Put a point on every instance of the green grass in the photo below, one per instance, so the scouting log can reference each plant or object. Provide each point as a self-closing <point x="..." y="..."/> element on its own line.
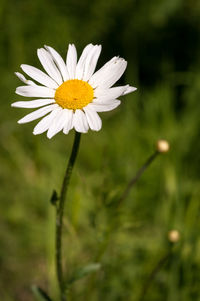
<point x="128" y="243"/>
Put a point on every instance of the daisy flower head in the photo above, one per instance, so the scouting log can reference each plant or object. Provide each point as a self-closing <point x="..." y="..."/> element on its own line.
<point x="70" y="94"/>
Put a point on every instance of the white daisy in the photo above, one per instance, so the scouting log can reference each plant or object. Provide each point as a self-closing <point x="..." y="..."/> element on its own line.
<point x="70" y="94"/>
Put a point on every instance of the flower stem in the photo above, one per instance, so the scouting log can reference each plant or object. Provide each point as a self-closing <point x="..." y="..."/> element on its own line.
<point x="153" y="273"/>
<point x="136" y="177"/>
<point x="59" y="215"/>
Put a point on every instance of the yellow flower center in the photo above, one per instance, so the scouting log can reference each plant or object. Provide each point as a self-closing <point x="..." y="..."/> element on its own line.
<point x="74" y="94"/>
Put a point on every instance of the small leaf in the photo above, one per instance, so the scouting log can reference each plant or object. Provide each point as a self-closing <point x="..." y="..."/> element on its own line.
<point x="84" y="271"/>
<point x="54" y="197"/>
<point x="40" y="294"/>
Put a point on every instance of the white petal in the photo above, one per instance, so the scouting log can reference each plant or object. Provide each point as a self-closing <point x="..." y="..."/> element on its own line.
<point x="91" y="62"/>
<point x="68" y="123"/>
<point x="71" y="61"/>
<point x="49" y="65"/>
<point x="39" y="76"/>
<point x="44" y="124"/>
<point x="106" y="95"/>
<point x="32" y="103"/>
<point x="24" y="80"/>
<point x="59" y="62"/>
<point x="113" y="93"/>
<point x="81" y="63"/>
<point x="93" y="119"/>
<point x="109" y="73"/>
<point x="35" y="91"/>
<point x="97" y="74"/>
<point x="38" y="113"/>
<point x="80" y="122"/>
<point x="129" y="89"/>
<point x="58" y="123"/>
<point x="104" y="107"/>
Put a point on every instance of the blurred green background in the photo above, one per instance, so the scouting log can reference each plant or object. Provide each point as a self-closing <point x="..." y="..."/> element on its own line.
<point x="160" y="39"/>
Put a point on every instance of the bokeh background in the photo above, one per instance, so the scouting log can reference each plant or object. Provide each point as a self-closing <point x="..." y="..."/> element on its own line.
<point x="160" y="39"/>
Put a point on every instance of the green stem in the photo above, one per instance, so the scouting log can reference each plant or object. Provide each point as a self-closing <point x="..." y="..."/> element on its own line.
<point x="59" y="215"/>
<point x="127" y="190"/>
<point x="134" y="180"/>
<point x="153" y="273"/>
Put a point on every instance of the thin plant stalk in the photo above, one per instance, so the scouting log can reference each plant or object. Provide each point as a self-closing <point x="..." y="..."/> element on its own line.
<point x="153" y="273"/>
<point x="124" y="195"/>
<point x="127" y="190"/>
<point x="134" y="180"/>
<point x="59" y="216"/>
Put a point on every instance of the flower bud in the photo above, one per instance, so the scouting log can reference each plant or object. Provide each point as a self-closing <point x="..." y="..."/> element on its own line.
<point x="163" y="146"/>
<point x="173" y="236"/>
